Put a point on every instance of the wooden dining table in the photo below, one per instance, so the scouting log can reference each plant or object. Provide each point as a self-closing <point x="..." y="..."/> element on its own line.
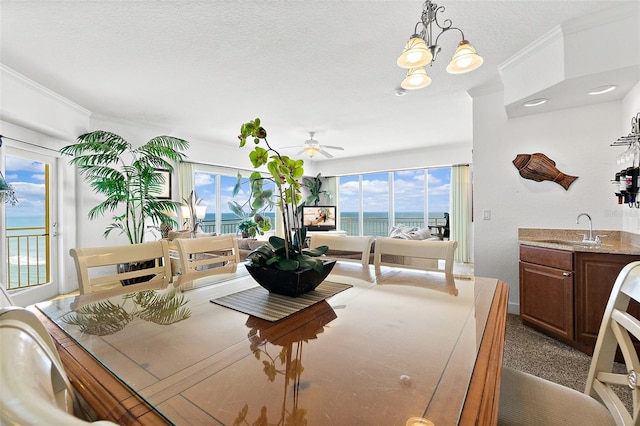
<point x="402" y="347"/>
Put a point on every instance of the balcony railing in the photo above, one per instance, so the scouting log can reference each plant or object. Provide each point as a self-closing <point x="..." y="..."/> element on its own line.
<point x="27" y="257"/>
<point x="28" y="254"/>
<point x="372" y="226"/>
<point x="379" y="227"/>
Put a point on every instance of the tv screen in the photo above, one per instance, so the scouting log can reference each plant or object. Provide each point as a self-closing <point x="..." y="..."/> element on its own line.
<point x="319" y="218"/>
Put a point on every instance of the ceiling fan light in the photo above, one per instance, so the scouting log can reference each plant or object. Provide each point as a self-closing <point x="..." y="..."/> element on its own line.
<point x="415" y="53"/>
<point x="464" y="59"/>
<point x="416" y="78"/>
<point x="311" y="150"/>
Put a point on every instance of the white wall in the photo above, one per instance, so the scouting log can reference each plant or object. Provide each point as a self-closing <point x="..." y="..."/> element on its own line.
<point x="37" y="117"/>
<point x="436" y="156"/>
<point x="577" y="140"/>
<point x="630" y="108"/>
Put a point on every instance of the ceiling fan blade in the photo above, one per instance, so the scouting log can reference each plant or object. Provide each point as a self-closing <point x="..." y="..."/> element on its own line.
<point x="301" y="152"/>
<point x="325" y="153"/>
<point x="287" y="147"/>
<point x="332" y="147"/>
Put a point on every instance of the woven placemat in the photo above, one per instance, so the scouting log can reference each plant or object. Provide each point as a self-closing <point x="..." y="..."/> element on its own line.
<point x="259" y="302"/>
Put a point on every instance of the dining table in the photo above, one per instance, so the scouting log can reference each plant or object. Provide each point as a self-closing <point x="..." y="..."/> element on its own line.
<point x="396" y="347"/>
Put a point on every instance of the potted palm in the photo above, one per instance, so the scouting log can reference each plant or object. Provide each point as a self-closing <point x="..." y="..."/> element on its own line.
<point x="284" y="266"/>
<point x="134" y="186"/>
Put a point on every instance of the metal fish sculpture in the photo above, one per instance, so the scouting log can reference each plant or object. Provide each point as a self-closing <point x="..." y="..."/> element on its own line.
<point x="539" y="167"/>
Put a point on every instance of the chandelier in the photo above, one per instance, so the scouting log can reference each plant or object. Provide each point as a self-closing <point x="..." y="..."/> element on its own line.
<point x="422" y="49"/>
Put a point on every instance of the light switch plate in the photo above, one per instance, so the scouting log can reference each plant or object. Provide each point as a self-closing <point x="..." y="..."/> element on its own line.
<point x="486" y="214"/>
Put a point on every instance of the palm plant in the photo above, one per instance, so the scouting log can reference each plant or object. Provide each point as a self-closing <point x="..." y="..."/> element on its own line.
<point x="135" y="185"/>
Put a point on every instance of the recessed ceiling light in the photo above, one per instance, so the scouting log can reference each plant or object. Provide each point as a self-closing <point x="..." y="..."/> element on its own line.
<point x="535" y="102"/>
<point x="602" y="89"/>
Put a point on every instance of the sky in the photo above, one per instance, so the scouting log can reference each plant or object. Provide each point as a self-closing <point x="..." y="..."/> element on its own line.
<point x="408" y="190"/>
<point x="27" y="179"/>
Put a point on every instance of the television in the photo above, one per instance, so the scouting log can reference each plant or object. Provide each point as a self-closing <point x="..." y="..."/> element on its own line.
<point x="319" y="218"/>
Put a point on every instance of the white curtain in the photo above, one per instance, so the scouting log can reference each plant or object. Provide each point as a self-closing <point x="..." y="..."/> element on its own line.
<point x="460" y="212"/>
<point x="185" y="183"/>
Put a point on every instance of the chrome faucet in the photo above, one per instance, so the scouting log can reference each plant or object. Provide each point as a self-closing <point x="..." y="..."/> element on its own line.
<point x="591" y="239"/>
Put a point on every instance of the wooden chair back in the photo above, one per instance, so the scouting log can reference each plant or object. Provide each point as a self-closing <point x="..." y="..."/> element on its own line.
<point x="204" y="257"/>
<point x="414" y="254"/>
<point x="348" y="243"/>
<point x="616" y="331"/>
<point x="100" y="268"/>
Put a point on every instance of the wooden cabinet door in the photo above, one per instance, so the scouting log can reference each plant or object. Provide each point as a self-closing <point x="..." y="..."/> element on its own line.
<point x="546" y="299"/>
<point x="595" y="275"/>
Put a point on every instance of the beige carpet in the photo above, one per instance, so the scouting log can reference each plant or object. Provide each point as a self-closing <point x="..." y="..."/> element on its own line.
<point x="535" y="353"/>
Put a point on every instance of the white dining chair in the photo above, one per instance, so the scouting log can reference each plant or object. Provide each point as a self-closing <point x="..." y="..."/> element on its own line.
<point x="427" y="255"/>
<point x="34" y="387"/>
<point x="102" y="268"/>
<point x="529" y="400"/>
<point x="204" y="257"/>
<point x="360" y="247"/>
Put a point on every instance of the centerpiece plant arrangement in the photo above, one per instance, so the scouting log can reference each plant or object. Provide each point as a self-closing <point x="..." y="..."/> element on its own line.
<point x="285" y="254"/>
<point x="128" y="178"/>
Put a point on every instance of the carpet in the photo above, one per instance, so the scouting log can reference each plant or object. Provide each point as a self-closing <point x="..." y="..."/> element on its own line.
<point x="528" y="350"/>
<point x="260" y="303"/>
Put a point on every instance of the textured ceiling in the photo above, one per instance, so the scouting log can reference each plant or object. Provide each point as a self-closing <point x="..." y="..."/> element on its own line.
<point x="201" y="68"/>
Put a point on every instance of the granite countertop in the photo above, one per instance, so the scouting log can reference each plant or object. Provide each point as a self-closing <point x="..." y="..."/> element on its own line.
<point x="613" y="242"/>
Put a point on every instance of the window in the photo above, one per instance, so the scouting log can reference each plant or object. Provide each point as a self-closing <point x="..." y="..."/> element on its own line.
<point x="349" y="207"/>
<point x="205" y="186"/>
<point x="26" y="224"/>
<point x="369" y="204"/>
<point x="409" y="198"/>
<point x="216" y="191"/>
<point x="438" y="193"/>
<point x="375" y="211"/>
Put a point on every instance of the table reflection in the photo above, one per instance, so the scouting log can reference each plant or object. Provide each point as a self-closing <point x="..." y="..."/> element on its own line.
<point x="106" y="317"/>
<point x="263" y="337"/>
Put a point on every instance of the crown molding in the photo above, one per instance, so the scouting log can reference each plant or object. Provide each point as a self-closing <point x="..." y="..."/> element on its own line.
<point x="6" y="71"/>
<point x="551" y="36"/>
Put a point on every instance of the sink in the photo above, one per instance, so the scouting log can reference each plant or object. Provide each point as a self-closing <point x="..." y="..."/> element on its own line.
<point x="573" y="243"/>
<point x="564" y="242"/>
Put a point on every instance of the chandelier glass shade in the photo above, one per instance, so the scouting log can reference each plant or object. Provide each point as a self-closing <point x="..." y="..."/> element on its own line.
<point x="465" y="59"/>
<point x="415" y="54"/>
<point x="422" y="49"/>
<point x="416" y="78"/>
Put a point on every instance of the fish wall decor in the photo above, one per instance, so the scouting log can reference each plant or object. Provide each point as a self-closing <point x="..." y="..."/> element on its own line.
<point x="539" y="167"/>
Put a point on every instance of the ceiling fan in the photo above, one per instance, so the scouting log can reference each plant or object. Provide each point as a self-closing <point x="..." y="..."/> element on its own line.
<point x="311" y="146"/>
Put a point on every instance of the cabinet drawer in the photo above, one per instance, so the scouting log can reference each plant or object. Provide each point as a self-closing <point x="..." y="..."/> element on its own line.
<point x="553" y="258"/>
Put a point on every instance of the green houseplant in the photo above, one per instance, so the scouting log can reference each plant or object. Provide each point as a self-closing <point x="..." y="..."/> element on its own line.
<point x="134" y="186"/>
<point x="288" y="253"/>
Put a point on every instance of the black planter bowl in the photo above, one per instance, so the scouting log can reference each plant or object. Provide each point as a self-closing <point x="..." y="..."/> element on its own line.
<point x="289" y="283"/>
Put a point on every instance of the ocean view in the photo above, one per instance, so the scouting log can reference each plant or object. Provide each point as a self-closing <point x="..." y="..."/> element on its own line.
<point x="27" y="254"/>
<point x="27" y="251"/>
